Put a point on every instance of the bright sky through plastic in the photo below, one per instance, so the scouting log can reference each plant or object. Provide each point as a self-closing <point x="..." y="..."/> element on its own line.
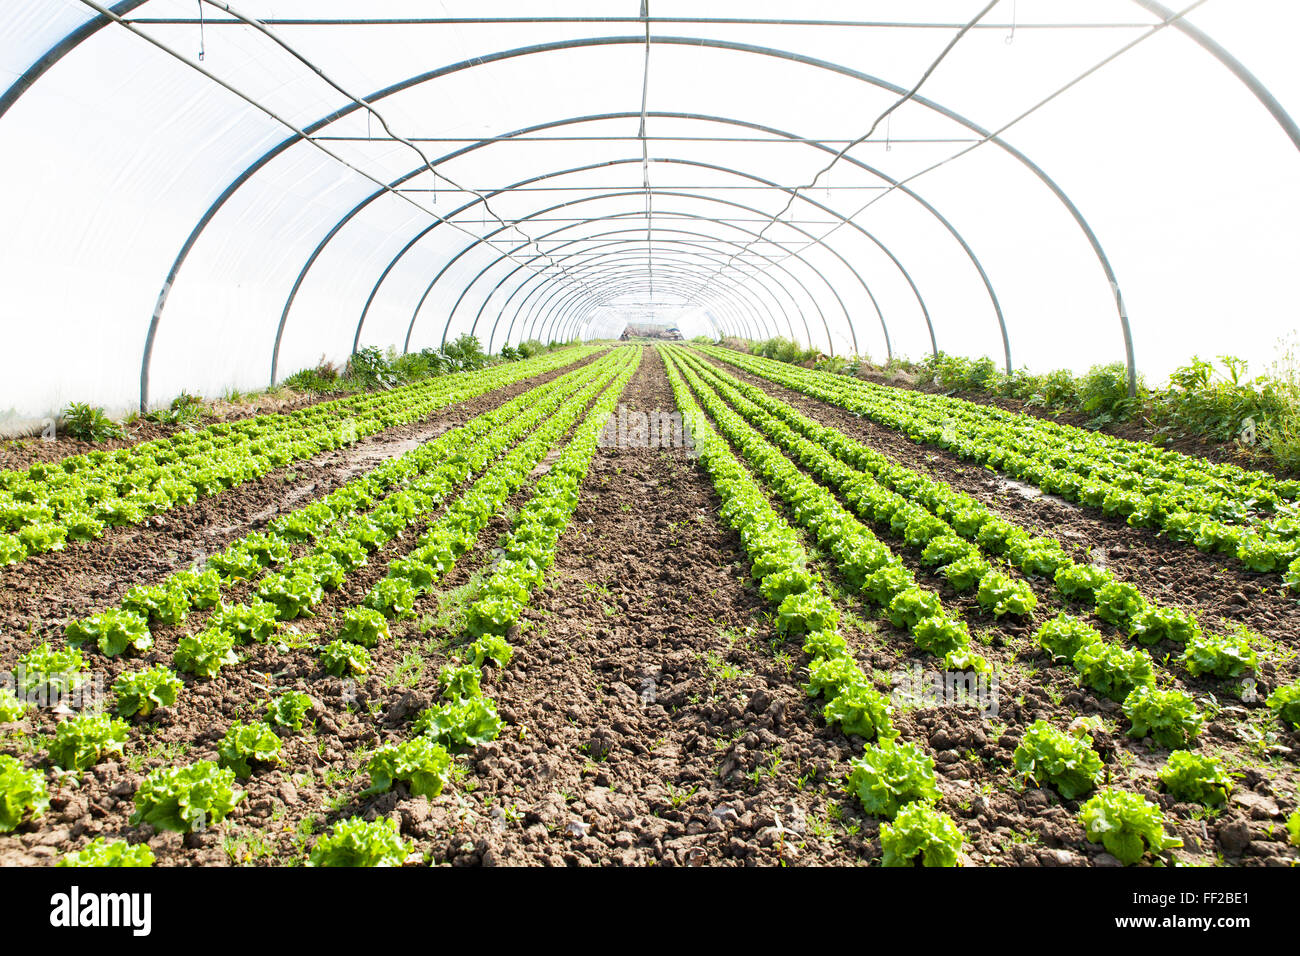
<point x="114" y="155"/>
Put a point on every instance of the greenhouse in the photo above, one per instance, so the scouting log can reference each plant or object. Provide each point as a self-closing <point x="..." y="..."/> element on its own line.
<point x="650" y="433"/>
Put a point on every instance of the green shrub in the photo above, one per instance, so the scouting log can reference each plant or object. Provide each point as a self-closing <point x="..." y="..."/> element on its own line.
<point x="87" y="423"/>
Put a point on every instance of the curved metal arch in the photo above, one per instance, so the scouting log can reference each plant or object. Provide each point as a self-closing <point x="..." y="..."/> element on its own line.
<point x="681" y="279"/>
<point x="550" y="293"/>
<point x="669" y="215"/>
<point x="552" y="252"/>
<point x="584" y="42"/>
<point x="724" y="169"/>
<point x="623" y="254"/>
<point x="92" y="27"/>
<point x="622" y="245"/>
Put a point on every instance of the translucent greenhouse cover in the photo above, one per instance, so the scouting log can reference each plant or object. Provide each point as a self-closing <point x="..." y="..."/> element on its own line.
<point x="199" y="196"/>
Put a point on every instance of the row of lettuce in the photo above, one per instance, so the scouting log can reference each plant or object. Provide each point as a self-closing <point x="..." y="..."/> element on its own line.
<point x="182" y="798"/>
<point x="1220" y="508"/>
<point x="51" y="504"/>
<point x="891" y="776"/>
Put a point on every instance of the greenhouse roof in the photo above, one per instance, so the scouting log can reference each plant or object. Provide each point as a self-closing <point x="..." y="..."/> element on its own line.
<point x="203" y="196"/>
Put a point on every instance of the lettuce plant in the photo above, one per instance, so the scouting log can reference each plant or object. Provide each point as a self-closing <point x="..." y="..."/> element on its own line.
<point x="920" y="833"/>
<point x="113" y="632"/>
<point x="22" y="794"/>
<point x="424" y="766"/>
<point x="340" y="658"/>
<point x="289" y="710"/>
<point x="141" y="692"/>
<point x="1080" y="582"/>
<point x="889" y="775"/>
<point x="99" y="852"/>
<point x="11" y="707"/>
<point x="364" y="626"/>
<point x="457" y="724"/>
<point x="186" y="798"/>
<point x="356" y="842"/>
<point x="1196" y="778"/>
<point x="1113" y="670"/>
<point x="164" y="604"/>
<point x="1053" y="757"/>
<point x="806" y="612"/>
<point x="246" y="622"/>
<point x="1154" y="624"/>
<point x="205" y="653"/>
<point x="460" y="683"/>
<point x="828" y="677"/>
<point x="1063" y="635"/>
<point x="1285" y="702"/>
<point x="489" y="647"/>
<point x="293" y="594"/>
<point x="1126" y="824"/>
<point x="1119" y="603"/>
<point x="965" y="573"/>
<point x="393" y="597"/>
<point x="999" y="594"/>
<point x="940" y="634"/>
<point x="1221" y="655"/>
<point x="82" y="741"/>
<point x="1169" y="717"/>
<point x="861" y="710"/>
<point x="247" y="743"/>
<point x="46" y="672"/>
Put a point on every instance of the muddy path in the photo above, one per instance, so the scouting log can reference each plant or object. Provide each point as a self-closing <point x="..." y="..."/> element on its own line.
<point x="40" y="594"/>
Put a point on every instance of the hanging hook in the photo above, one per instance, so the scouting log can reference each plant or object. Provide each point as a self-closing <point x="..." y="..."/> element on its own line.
<point x="1011" y="37"/>
<point x="202" y="46"/>
<point x="889" y="132"/>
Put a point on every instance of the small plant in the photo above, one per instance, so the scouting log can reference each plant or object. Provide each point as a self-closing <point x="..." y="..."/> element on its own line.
<point x="101" y="853"/>
<point x="490" y="647"/>
<point x="1285" y="702"/>
<point x="113" y="632"/>
<point x="1126" y="824"/>
<point x="1063" y="635"/>
<point x="1293" y="828"/>
<point x="806" y="612"/>
<point x="48" y="673"/>
<point x="164" y="604"/>
<point x="289" y="710"/>
<point x="424" y="766"/>
<point x="364" y="626"/>
<point x="339" y="658"/>
<point x="22" y="794"/>
<point x="460" y="683"/>
<point x="889" y="775"/>
<point x="11" y="708"/>
<point x="293" y="594"/>
<point x="1001" y="595"/>
<point x="1155" y="624"/>
<point x="355" y="842"/>
<point x="466" y="723"/>
<point x="89" y="423"/>
<point x="1113" y="670"/>
<point x="1196" y="778"/>
<point x="186" y="798"/>
<point x="941" y="634"/>
<point x="913" y="605"/>
<point x="246" y="744"/>
<point x="828" y="677"/>
<point x="1222" y="655"/>
<point x="861" y="710"/>
<point x="964" y="573"/>
<point x="1050" y="756"/>
<point x="1169" y="717"/>
<point x="1079" y="582"/>
<point x="205" y="653"/>
<point x="920" y="833"/>
<point x="82" y="741"/>
<point x="1118" y="603"/>
<point x="246" y="622"/>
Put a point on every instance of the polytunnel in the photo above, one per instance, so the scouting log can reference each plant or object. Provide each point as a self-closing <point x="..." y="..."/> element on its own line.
<point x="203" y="196"/>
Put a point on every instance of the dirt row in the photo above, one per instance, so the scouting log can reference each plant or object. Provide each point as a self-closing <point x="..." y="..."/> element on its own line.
<point x="39" y="595"/>
<point x="1001" y="819"/>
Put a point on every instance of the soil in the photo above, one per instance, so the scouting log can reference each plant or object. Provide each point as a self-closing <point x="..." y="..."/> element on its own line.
<point x="653" y="716"/>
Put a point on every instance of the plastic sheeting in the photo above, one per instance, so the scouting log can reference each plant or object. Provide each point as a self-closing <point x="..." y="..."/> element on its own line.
<point x="153" y="175"/>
